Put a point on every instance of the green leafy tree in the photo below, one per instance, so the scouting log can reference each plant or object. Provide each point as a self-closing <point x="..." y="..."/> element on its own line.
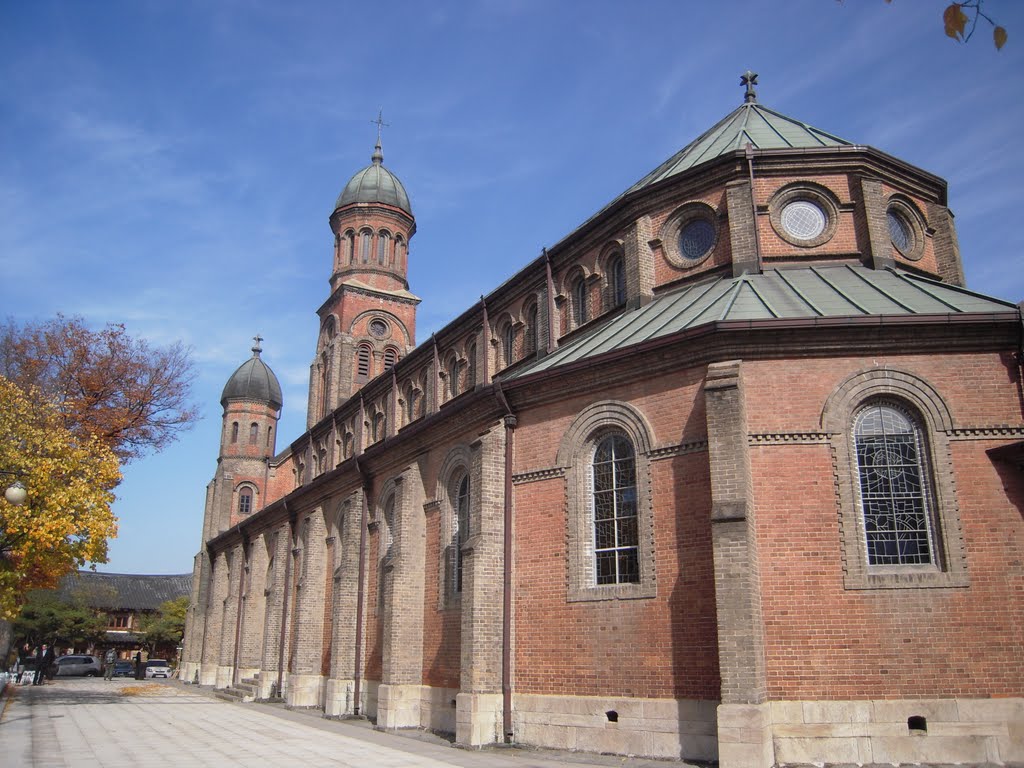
<point x="162" y="631"/>
<point x="46" y="618"/>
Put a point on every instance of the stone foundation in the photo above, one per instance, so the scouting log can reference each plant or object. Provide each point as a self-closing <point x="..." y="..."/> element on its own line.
<point x="207" y="674"/>
<point x="959" y="731"/>
<point x="188" y="671"/>
<point x="478" y="719"/>
<point x="398" y="706"/>
<point x="225" y="676"/>
<point x="662" y="728"/>
<point x="339" y="701"/>
<point x="304" y="690"/>
<point x="437" y="708"/>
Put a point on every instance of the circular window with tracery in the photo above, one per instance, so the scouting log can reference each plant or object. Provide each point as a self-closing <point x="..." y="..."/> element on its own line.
<point x="906" y="230"/>
<point x="804" y="214"/>
<point x="378" y="328"/>
<point x="690" y="235"/>
<point x="696" y="238"/>
<point x="803" y="220"/>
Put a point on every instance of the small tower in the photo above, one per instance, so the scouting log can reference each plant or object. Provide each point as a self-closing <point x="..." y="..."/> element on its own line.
<point x="369" y="320"/>
<point x="252" y="405"/>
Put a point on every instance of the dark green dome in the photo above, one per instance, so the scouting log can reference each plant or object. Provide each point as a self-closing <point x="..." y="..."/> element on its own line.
<point x="253" y="381"/>
<point x="375" y="184"/>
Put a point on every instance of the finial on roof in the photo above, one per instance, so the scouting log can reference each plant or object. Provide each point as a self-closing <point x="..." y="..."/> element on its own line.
<point x="378" y="153"/>
<point x="256" y="349"/>
<point x="749" y="79"/>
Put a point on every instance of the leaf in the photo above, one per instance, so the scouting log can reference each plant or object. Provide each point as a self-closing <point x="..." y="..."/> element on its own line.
<point x="955" y="21"/>
<point x="999" y="36"/>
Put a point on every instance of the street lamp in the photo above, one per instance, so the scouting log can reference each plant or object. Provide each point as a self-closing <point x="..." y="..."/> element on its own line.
<point x="15" y="493"/>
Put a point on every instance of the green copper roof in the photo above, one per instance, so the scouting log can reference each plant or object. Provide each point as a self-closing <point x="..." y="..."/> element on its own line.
<point x="375" y="184"/>
<point x="751" y="123"/>
<point x="806" y="292"/>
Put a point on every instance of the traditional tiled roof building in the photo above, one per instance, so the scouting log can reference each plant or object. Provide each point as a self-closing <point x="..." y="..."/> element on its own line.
<point x="124" y="598"/>
<point x="732" y="472"/>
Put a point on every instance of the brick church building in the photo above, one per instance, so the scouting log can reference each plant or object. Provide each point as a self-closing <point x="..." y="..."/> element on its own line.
<point x="734" y="472"/>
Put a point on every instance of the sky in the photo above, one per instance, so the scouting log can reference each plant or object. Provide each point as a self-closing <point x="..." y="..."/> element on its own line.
<point x="172" y="165"/>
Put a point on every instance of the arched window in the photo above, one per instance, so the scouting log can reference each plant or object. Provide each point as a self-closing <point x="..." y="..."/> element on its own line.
<point x="270" y="432"/>
<point x="383" y="243"/>
<point x="386" y="541"/>
<point x="234" y="432"/>
<point x="530" y="341"/>
<point x="399" y="252"/>
<point x="616" y="535"/>
<point x="349" y="247"/>
<point x="471" y="367"/>
<point x="348" y="445"/>
<point x="412" y="401"/>
<point x="363" y="362"/>
<point x="508" y="344"/>
<point x="617" y="281"/>
<point x="579" y="302"/>
<point x="380" y="426"/>
<point x="459" y="495"/>
<point x="453" y="377"/>
<point x="365" y="245"/>
<point x="894" y="485"/>
<point x="254" y="433"/>
<point x="245" y="502"/>
<point x="390" y="358"/>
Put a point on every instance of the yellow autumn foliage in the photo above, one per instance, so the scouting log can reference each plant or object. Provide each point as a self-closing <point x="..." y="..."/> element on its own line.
<point x="66" y="519"/>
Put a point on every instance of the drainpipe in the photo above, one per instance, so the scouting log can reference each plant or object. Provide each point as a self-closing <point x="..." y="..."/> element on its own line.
<point x="285" y="601"/>
<point x="749" y="152"/>
<point x="360" y="591"/>
<point x="506" y="587"/>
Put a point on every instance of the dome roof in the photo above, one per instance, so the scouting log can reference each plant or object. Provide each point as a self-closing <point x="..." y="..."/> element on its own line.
<point x="375" y="184"/>
<point x="253" y="381"/>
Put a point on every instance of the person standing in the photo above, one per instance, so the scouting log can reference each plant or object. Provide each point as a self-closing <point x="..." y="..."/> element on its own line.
<point x="108" y="664"/>
<point x="138" y="665"/>
<point x="42" y="661"/>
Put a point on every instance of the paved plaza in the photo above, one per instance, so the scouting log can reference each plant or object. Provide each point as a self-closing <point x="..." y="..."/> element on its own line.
<point x="94" y="723"/>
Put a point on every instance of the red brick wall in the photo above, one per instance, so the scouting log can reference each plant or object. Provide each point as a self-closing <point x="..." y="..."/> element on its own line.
<point x="824" y="641"/>
<point x="659" y="647"/>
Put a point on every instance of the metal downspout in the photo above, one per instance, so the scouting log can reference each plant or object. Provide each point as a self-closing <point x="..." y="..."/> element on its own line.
<point x="749" y="152"/>
<point x="360" y="593"/>
<point x="506" y="587"/>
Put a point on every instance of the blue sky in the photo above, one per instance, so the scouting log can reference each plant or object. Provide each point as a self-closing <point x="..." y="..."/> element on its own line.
<point x="171" y="165"/>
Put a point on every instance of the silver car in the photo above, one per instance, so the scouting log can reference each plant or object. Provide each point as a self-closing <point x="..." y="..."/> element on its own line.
<point x="157" y="668"/>
<point x="78" y="666"/>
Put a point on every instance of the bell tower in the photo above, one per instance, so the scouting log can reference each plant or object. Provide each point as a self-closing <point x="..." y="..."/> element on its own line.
<point x="369" y="320"/>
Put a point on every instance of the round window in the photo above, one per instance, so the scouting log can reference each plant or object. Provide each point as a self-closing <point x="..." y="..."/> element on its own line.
<point x="803" y="220"/>
<point x="900" y="232"/>
<point x="378" y="328"/>
<point x="696" y="238"/>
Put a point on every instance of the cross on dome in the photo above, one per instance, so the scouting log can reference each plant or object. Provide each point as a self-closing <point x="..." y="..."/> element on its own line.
<point x="749" y="79"/>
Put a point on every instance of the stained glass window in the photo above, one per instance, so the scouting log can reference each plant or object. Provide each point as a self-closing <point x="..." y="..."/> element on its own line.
<point x="893" y="486"/>
<point x="616" y="534"/>
<point x="696" y="238"/>
<point x="899" y="231"/>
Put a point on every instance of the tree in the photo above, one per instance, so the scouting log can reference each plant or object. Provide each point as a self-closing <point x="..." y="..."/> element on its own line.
<point x="46" y="618"/>
<point x="957" y="16"/>
<point x="129" y="395"/>
<point x="162" y="631"/>
<point x="66" y="519"/>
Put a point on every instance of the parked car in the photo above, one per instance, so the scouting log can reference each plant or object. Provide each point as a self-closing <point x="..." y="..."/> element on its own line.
<point x="124" y="668"/>
<point x="78" y="666"/>
<point x="157" y="668"/>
